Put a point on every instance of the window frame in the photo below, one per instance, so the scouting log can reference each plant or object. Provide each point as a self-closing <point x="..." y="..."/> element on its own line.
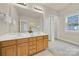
<point x="66" y="21"/>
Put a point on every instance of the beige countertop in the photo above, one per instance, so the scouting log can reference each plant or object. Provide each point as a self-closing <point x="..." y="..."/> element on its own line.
<point x="20" y="35"/>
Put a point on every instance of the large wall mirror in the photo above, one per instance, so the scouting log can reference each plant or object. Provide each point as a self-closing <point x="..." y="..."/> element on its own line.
<point x="14" y="19"/>
<point x="35" y="24"/>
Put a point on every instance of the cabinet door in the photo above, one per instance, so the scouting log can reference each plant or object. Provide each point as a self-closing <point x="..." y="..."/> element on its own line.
<point x="32" y="46"/>
<point x="40" y="44"/>
<point x="32" y="51"/>
<point x="9" y="51"/>
<point x="45" y="41"/>
<point x="22" y="49"/>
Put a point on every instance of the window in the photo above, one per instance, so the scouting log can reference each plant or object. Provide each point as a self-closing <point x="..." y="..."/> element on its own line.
<point x="72" y="23"/>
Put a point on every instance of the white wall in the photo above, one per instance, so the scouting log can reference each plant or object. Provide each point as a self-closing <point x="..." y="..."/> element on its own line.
<point x="70" y="36"/>
<point x="6" y="27"/>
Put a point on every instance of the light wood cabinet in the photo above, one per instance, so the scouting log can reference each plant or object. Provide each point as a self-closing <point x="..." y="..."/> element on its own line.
<point x="46" y="41"/>
<point x="8" y="43"/>
<point x="32" y="51"/>
<point x="24" y="46"/>
<point x="32" y="45"/>
<point x="22" y="49"/>
<point x="9" y="51"/>
<point x="8" y="48"/>
<point x="40" y="43"/>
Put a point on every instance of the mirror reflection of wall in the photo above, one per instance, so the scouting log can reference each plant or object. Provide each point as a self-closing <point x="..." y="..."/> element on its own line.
<point x="10" y="22"/>
<point x="23" y="26"/>
<point x="7" y="25"/>
<point x="26" y="22"/>
<point x="8" y="19"/>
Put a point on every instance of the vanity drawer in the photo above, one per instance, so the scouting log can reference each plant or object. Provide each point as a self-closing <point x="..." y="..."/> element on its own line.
<point x="32" y="39"/>
<point x="24" y="40"/>
<point x="32" y="43"/>
<point x="32" y="47"/>
<point x="8" y="43"/>
<point x="39" y="37"/>
<point x="46" y="37"/>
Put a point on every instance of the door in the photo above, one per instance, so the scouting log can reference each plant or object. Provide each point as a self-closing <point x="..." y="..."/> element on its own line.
<point x="49" y="26"/>
<point x="32" y="45"/>
<point x="9" y="51"/>
<point x="52" y="27"/>
<point x="46" y="41"/>
<point x="22" y="49"/>
<point x="23" y="26"/>
<point x="40" y="43"/>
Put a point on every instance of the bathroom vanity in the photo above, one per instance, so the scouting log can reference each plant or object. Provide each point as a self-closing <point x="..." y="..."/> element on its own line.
<point x="22" y="44"/>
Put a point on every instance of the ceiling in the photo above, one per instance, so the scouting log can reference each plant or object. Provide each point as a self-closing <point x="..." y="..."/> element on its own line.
<point x="27" y="12"/>
<point x="57" y="6"/>
<point x="53" y="6"/>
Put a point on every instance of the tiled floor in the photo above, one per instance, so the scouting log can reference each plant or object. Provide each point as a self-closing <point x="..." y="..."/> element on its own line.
<point x="44" y="53"/>
<point x="63" y="48"/>
<point x="60" y="48"/>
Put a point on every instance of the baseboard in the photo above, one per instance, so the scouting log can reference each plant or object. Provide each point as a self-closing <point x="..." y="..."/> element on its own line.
<point x="68" y="41"/>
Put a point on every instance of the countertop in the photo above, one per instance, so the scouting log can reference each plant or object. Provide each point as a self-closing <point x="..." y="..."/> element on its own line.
<point x="14" y="36"/>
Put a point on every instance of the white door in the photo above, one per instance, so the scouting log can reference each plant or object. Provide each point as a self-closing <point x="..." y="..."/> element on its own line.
<point x="24" y="27"/>
<point x="52" y="27"/>
<point x="49" y="27"/>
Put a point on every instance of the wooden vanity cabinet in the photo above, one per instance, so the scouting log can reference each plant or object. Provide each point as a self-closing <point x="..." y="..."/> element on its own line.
<point x="9" y="51"/>
<point x="40" y="43"/>
<point x="8" y="48"/>
<point x="32" y="45"/>
<point x="22" y="47"/>
<point x="45" y="41"/>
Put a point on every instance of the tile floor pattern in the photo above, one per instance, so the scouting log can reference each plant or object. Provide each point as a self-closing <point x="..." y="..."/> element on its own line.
<point x="44" y="53"/>
<point x="59" y="47"/>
